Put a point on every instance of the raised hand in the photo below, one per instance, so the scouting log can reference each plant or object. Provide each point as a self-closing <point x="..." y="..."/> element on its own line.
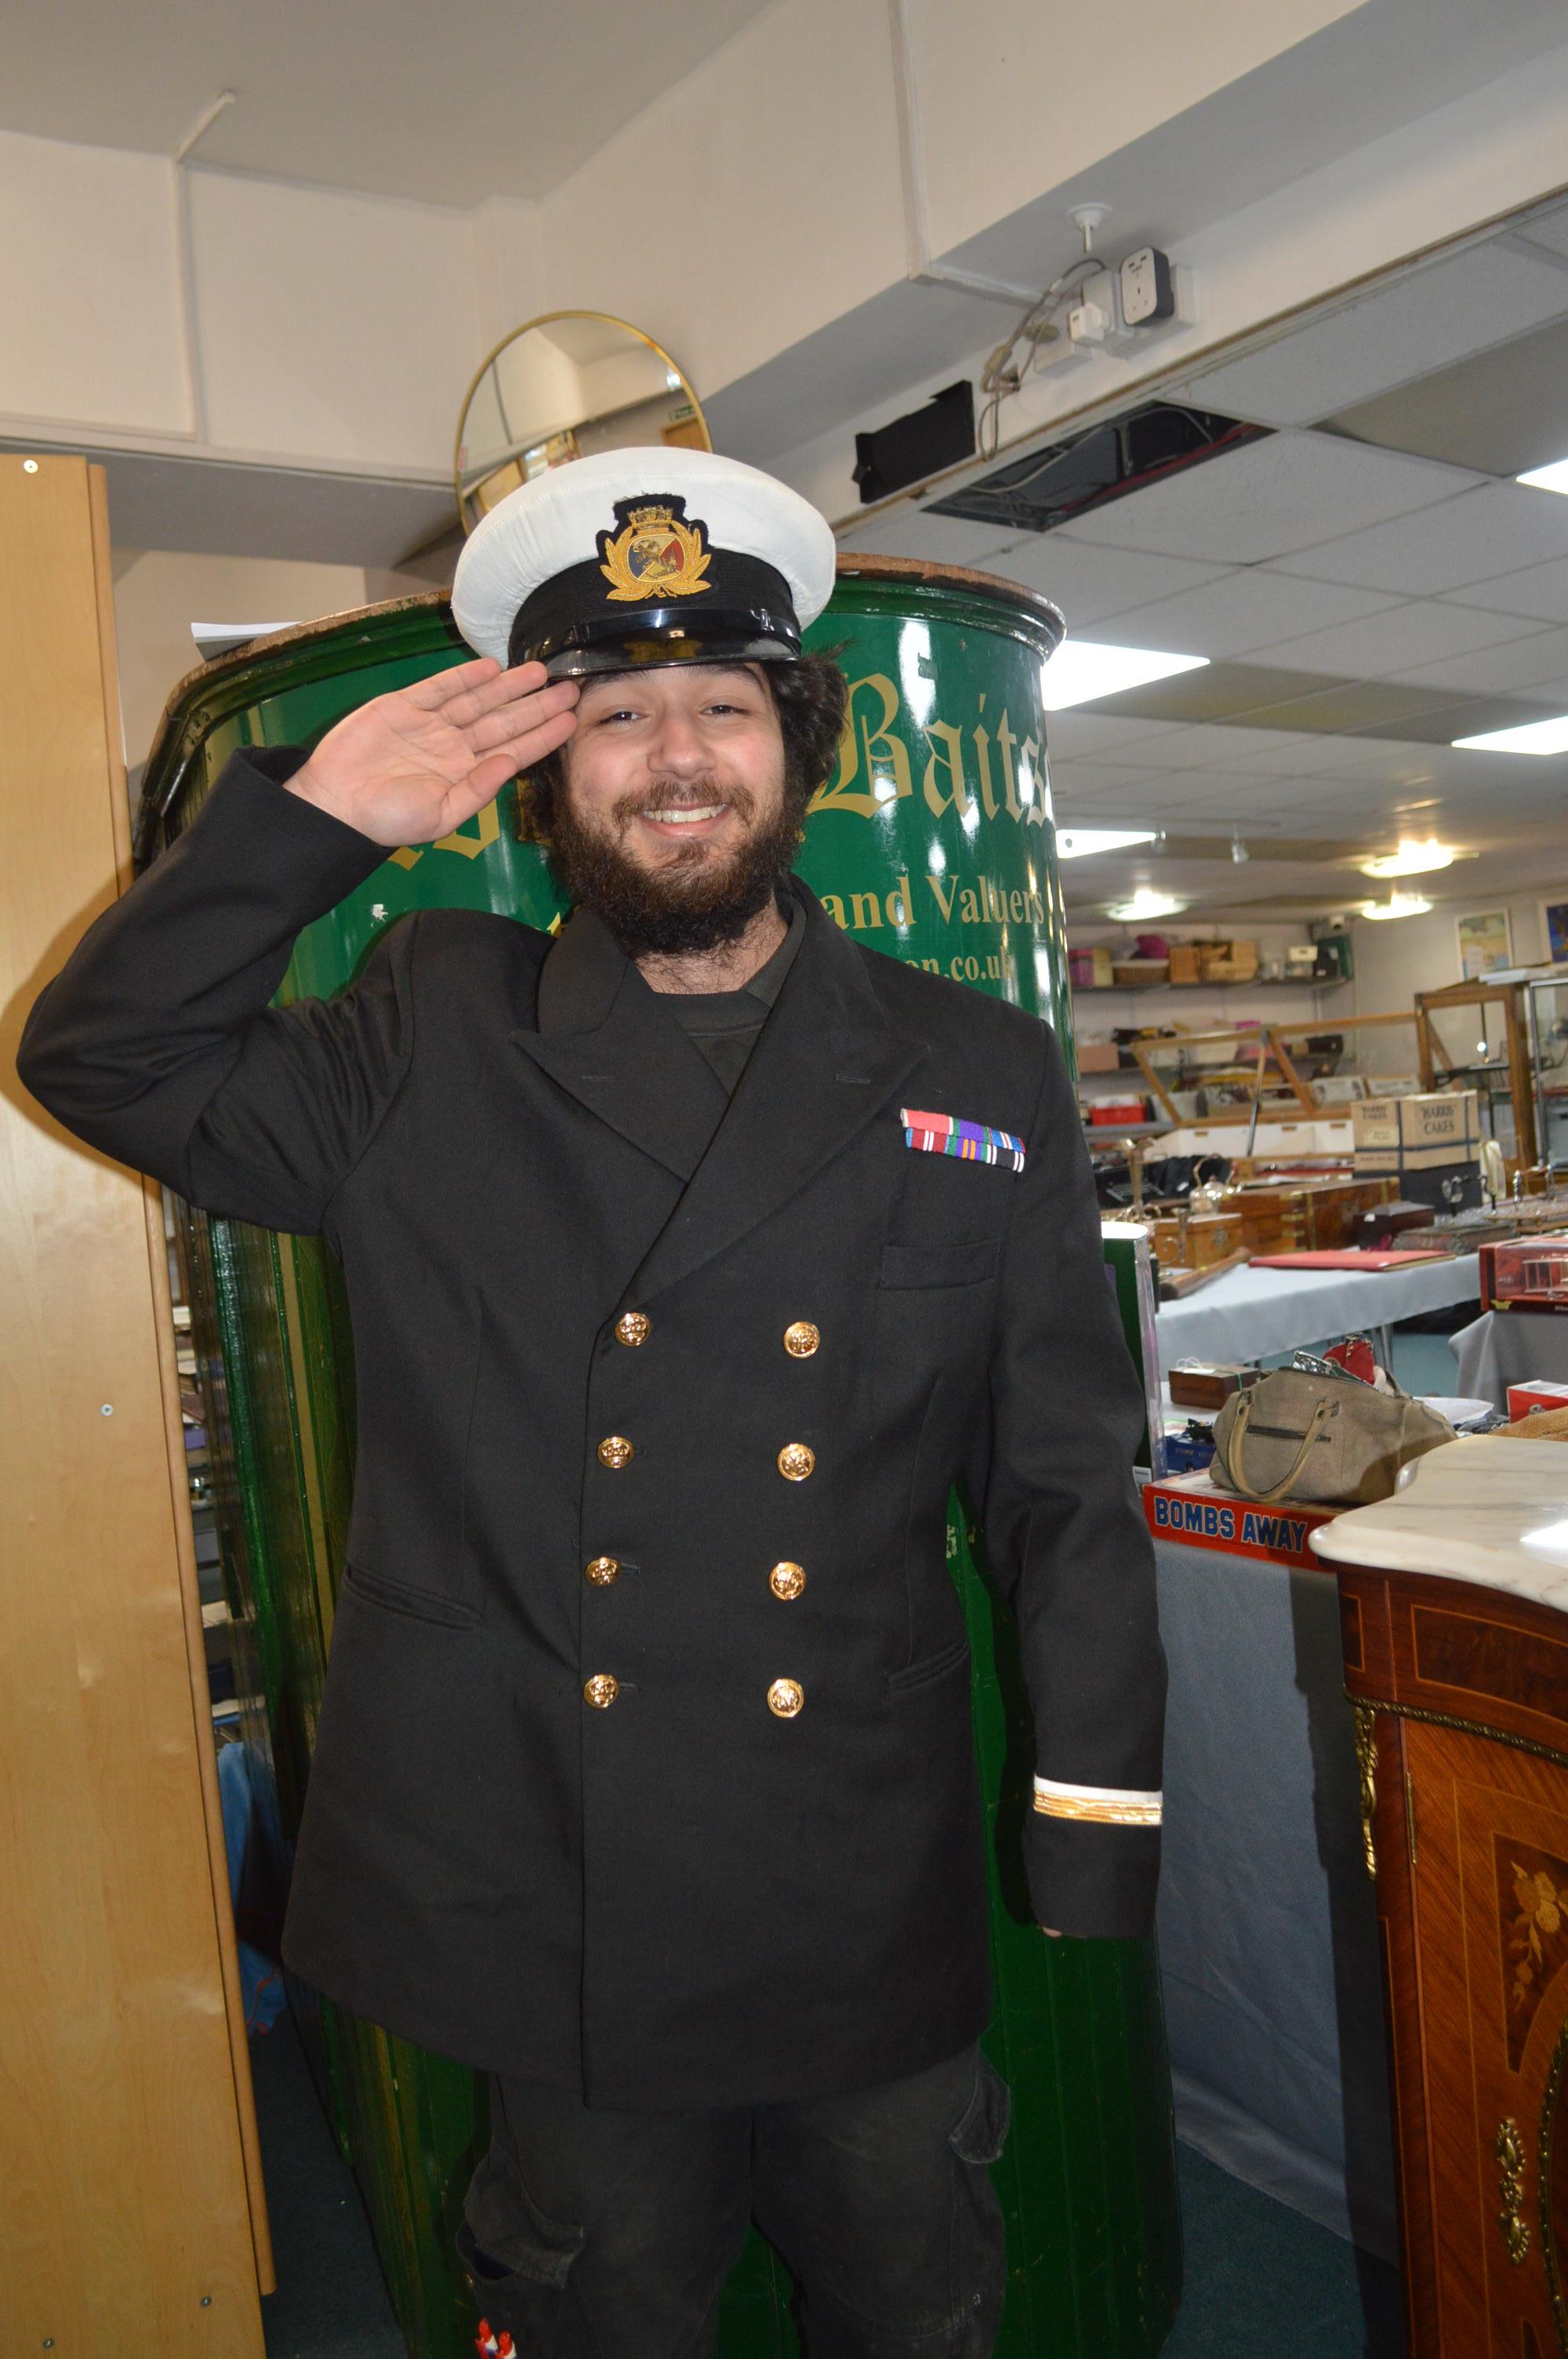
<point x="413" y="765"/>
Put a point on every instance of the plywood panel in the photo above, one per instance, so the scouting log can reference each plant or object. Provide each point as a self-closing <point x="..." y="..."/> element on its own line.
<point x="131" y="2220"/>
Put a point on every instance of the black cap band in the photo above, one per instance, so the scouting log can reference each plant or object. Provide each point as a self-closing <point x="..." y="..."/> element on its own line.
<point x="744" y="609"/>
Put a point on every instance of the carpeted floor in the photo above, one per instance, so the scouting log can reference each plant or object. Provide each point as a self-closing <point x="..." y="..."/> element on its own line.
<point x="1260" y="2278"/>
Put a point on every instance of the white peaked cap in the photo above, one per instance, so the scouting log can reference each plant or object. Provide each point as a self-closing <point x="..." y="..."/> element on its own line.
<point x="554" y="535"/>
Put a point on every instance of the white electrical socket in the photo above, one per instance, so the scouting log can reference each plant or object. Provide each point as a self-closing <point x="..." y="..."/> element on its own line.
<point x="1096" y="315"/>
<point x="1146" y="286"/>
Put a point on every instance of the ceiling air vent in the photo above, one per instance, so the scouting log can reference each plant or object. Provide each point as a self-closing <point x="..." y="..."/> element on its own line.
<point x="1066" y="479"/>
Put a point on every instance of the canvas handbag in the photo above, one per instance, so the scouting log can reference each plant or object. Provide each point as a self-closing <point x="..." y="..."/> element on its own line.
<point x="1330" y="1438"/>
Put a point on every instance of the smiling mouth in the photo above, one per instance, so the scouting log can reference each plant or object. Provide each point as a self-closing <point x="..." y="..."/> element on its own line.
<point x="681" y="815"/>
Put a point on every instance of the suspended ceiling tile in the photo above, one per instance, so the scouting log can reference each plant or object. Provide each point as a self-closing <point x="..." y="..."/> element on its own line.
<point x="941" y="541"/>
<point x="1485" y="532"/>
<point x="1548" y="228"/>
<point x="1501" y="410"/>
<point x="1355" y="706"/>
<point x="1539" y="590"/>
<point x="1199" y="743"/>
<point x="1393" y="642"/>
<point x="1242" y="610"/>
<point x="1221" y="692"/>
<point x="1535" y="666"/>
<point x="1088" y="583"/>
<point x="1404" y="330"/>
<point x="1100" y="777"/>
<point x="1294" y="755"/>
<point x="1266" y="499"/>
<point x="1078" y="731"/>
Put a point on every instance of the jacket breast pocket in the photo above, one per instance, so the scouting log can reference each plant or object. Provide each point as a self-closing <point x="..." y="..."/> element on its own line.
<point x="969" y="1263"/>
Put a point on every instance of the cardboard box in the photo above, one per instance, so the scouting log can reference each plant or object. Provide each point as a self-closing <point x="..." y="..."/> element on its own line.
<point x="1089" y="967"/>
<point x="1186" y="963"/>
<point x="1524" y="1400"/>
<point x="1098" y="1057"/>
<point x="1417" y="1134"/>
<point x="1231" y="961"/>
<point x="1193" y="1509"/>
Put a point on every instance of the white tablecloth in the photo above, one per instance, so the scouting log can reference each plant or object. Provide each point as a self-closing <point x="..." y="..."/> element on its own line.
<point x="1508" y="1347"/>
<point x="1249" y="1314"/>
<point x="1267" y="1929"/>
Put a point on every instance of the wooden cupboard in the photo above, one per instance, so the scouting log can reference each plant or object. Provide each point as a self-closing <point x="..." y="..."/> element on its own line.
<point x="1462" y="1715"/>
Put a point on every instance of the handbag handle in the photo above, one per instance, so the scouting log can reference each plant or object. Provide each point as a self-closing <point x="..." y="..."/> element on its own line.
<point x="1315" y="1423"/>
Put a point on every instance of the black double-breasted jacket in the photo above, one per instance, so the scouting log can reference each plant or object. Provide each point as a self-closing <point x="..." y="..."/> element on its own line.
<point x="644" y="1761"/>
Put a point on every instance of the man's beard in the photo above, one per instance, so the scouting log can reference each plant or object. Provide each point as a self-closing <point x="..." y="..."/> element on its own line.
<point x="694" y="899"/>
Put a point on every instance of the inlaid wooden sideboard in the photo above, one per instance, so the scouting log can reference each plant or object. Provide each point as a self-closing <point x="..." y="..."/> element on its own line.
<point x="1457" y="1657"/>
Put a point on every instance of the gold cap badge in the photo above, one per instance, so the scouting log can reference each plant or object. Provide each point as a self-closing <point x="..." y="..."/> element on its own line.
<point x="656" y="554"/>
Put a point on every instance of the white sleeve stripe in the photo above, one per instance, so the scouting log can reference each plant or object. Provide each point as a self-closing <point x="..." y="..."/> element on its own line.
<point x="1119" y="1806"/>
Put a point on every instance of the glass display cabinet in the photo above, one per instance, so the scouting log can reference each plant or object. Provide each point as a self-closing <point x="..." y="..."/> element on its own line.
<point x="1546" y="1017"/>
<point x="1478" y="1035"/>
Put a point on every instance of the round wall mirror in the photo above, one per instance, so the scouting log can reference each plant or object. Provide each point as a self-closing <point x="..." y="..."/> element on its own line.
<point x="559" y="389"/>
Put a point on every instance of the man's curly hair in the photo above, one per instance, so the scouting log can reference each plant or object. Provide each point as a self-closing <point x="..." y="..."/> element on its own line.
<point x="810" y="697"/>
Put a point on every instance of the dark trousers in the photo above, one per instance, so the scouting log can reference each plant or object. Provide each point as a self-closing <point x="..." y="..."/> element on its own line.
<point x="592" y="2235"/>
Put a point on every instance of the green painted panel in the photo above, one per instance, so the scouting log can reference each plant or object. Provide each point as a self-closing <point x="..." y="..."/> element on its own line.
<point x="934" y="841"/>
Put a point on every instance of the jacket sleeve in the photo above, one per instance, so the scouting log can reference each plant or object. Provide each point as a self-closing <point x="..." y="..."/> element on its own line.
<point x="1066" y="1540"/>
<point x="156" y="1041"/>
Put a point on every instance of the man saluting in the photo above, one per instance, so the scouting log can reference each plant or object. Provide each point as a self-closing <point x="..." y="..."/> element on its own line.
<point x="645" y="1780"/>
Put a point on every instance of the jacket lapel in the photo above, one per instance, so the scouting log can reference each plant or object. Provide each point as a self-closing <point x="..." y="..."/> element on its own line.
<point x="825" y="1065"/>
<point x="603" y="1034"/>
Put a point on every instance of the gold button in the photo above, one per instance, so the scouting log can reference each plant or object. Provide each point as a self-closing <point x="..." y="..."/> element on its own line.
<point x="602" y="1570"/>
<point x="786" y="1698"/>
<point x="633" y="1327"/>
<point x="615" y="1450"/>
<point x="801" y="1339"/>
<point x="797" y="1460"/>
<point x="787" y="1580"/>
<point x="601" y="1691"/>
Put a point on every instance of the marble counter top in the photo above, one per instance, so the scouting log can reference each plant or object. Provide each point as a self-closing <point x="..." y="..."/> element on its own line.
<point x="1476" y="1509"/>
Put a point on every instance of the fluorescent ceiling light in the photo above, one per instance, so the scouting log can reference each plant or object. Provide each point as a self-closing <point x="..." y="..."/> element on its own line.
<point x="1078" y="842"/>
<point x="1398" y="904"/>
<point x="1083" y="669"/>
<point x="1146" y="903"/>
<point x="1411" y="860"/>
<point x="1530" y="737"/>
<point x="1547" y="479"/>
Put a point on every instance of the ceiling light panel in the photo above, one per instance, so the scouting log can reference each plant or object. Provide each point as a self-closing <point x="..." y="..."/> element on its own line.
<point x="1491" y="530"/>
<point x="1396" y="332"/>
<point x="1553" y="478"/>
<point x="1412" y="859"/>
<point x="1087" y="842"/>
<point x="1270" y="498"/>
<point x="1083" y="670"/>
<point x="1145" y="903"/>
<point x="1534" y="737"/>
<point x="1398" y="904"/>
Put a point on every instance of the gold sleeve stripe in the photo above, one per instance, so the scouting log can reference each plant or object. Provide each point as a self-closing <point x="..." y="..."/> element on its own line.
<point x="1105" y="1806"/>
